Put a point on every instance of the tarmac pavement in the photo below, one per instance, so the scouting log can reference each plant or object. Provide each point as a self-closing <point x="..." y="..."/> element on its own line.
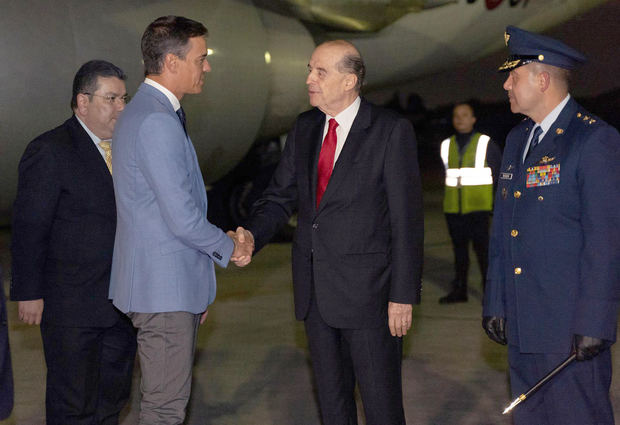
<point x="252" y="365"/>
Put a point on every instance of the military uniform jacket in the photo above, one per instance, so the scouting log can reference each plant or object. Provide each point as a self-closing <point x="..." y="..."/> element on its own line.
<point x="554" y="264"/>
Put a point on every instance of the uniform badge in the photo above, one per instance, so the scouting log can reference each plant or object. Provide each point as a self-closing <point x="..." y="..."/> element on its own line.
<point x="545" y="159"/>
<point x="510" y="167"/>
<point x="543" y="175"/>
<point x="559" y="131"/>
<point x="505" y="176"/>
<point x="504" y="193"/>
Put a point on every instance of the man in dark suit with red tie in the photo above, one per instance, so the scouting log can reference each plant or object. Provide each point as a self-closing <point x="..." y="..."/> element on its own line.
<point x="350" y="170"/>
<point x="64" y="222"/>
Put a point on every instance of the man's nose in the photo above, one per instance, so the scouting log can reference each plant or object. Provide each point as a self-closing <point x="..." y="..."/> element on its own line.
<point x="507" y="84"/>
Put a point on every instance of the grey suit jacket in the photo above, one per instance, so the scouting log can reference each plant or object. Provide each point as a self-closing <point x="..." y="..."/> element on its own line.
<point x="165" y="248"/>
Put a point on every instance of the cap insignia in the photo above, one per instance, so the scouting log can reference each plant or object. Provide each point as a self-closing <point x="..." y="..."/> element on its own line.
<point x="509" y="64"/>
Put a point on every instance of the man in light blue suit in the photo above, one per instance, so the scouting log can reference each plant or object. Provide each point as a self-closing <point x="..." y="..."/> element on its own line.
<point x="163" y="273"/>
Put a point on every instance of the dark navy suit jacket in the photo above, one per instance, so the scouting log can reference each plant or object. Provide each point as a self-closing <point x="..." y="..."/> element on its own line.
<point x="362" y="246"/>
<point x="554" y="267"/>
<point x="64" y="220"/>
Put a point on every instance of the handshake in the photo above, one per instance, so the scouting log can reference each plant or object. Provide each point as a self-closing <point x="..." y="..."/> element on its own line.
<point x="244" y="246"/>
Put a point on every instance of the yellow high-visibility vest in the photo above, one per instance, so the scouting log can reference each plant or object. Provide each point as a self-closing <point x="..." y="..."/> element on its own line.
<point x="469" y="181"/>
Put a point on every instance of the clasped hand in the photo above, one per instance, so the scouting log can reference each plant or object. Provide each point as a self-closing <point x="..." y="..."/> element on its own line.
<point x="244" y="246"/>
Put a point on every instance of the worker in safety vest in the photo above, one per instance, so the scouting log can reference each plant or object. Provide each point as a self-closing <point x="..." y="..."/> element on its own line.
<point x="472" y="162"/>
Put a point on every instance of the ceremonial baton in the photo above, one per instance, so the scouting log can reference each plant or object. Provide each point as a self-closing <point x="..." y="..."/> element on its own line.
<point x="540" y="383"/>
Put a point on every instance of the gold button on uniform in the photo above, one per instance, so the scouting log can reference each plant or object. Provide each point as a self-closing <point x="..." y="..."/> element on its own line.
<point x="514" y="233"/>
<point x="540" y="198"/>
<point x="518" y="270"/>
<point x="517" y="194"/>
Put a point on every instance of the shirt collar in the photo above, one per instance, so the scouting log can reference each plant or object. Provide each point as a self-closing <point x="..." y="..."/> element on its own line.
<point x="171" y="97"/>
<point x="546" y="123"/>
<point x="90" y="133"/>
<point x="346" y="117"/>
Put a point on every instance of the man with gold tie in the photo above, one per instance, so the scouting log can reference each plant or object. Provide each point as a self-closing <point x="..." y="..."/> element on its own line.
<point x="64" y="222"/>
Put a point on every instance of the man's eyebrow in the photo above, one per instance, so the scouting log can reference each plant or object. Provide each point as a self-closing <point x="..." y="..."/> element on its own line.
<point x="318" y="68"/>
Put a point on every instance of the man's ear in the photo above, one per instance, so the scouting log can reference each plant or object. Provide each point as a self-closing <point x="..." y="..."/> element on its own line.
<point x="350" y="81"/>
<point x="82" y="101"/>
<point x="171" y="62"/>
<point x="544" y="81"/>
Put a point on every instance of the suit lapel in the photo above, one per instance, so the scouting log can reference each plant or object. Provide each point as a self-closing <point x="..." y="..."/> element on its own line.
<point x="90" y="155"/>
<point x="345" y="159"/>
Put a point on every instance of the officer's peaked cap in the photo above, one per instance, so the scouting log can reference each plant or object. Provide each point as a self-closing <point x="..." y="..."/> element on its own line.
<point x="526" y="47"/>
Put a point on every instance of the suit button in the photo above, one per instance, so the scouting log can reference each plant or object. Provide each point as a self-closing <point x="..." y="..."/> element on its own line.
<point x="540" y="198"/>
<point x="517" y="194"/>
<point x="514" y="233"/>
<point x="315" y="226"/>
<point x="518" y="270"/>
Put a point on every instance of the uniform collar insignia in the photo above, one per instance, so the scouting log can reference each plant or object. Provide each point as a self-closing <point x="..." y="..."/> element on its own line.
<point x="559" y="131"/>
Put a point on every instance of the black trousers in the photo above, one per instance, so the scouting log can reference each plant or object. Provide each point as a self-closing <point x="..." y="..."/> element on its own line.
<point x="6" y="371"/>
<point x="340" y="357"/>
<point x="464" y="228"/>
<point x="89" y="372"/>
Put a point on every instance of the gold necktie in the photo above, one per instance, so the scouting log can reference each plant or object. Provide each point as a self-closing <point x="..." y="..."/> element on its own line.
<point x="106" y="145"/>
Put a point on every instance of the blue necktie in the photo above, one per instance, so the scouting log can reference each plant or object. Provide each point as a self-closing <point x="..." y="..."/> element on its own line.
<point x="181" y="115"/>
<point x="535" y="139"/>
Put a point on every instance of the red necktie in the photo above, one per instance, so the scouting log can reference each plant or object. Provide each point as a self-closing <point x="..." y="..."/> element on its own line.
<point x="326" y="160"/>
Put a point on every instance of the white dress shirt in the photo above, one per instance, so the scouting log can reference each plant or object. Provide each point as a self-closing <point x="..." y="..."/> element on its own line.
<point x="94" y="138"/>
<point x="546" y="124"/>
<point x="171" y="97"/>
<point x="345" y="121"/>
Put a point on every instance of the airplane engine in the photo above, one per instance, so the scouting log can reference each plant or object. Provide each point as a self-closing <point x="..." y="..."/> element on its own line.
<point x="255" y="90"/>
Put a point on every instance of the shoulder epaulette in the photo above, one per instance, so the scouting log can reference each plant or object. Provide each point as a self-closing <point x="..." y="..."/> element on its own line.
<point x="585" y="118"/>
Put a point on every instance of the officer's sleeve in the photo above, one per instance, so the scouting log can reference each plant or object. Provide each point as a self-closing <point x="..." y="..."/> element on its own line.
<point x="494" y="160"/>
<point x="494" y="300"/>
<point x="599" y="290"/>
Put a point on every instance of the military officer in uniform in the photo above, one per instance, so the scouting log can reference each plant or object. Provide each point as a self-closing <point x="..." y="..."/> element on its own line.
<point x="472" y="162"/>
<point x="554" y="266"/>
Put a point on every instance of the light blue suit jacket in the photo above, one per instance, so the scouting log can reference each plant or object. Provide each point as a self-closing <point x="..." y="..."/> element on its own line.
<point x="165" y="248"/>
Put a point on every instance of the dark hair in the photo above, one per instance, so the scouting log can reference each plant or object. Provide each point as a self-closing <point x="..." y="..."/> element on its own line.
<point x="85" y="80"/>
<point x="353" y="64"/>
<point x="168" y="34"/>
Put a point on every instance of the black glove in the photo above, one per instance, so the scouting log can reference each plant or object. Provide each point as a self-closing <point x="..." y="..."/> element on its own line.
<point x="588" y="347"/>
<point x="495" y="327"/>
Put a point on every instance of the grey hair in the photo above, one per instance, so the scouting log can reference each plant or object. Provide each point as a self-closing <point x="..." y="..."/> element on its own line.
<point x="353" y="63"/>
